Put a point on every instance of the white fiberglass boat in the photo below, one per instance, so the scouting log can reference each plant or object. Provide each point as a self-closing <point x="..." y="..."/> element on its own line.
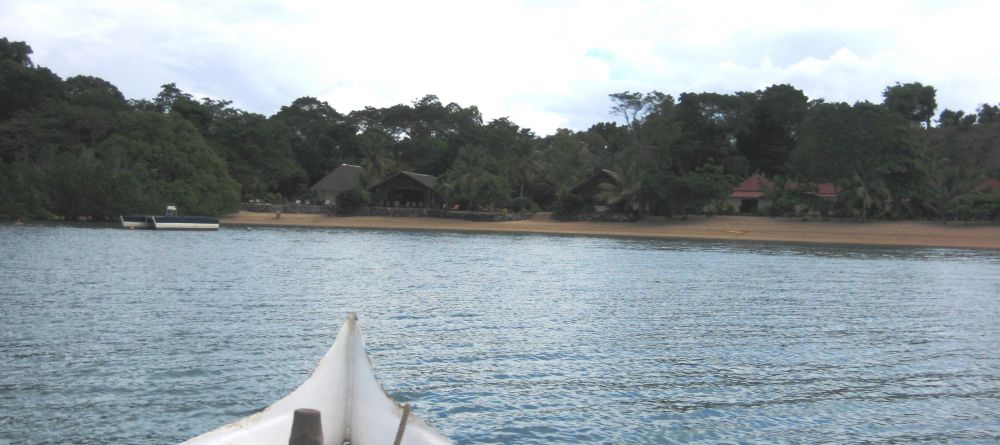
<point x="352" y="407"/>
<point x="169" y="221"/>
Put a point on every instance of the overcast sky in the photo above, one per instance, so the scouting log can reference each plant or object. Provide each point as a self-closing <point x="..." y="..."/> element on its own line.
<point x="544" y="64"/>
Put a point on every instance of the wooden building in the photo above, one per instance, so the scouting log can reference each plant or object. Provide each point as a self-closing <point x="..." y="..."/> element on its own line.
<point x="407" y="189"/>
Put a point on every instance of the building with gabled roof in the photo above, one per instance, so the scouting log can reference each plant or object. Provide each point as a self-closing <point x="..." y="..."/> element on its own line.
<point x="750" y="194"/>
<point x="341" y="179"/>
<point x="407" y="189"/>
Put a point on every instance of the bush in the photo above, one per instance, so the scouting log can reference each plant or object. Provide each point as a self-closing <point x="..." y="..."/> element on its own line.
<point x="523" y="204"/>
<point x="568" y="204"/>
<point x="349" y="202"/>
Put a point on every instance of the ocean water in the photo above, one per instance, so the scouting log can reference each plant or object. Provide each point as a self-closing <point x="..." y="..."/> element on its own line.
<point x="115" y="336"/>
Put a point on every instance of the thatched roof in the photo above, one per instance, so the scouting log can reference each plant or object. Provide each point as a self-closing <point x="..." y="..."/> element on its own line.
<point x="591" y="185"/>
<point x="341" y="179"/>
<point x="424" y="180"/>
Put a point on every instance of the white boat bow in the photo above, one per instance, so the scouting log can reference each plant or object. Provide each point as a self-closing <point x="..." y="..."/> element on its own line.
<point x="352" y="404"/>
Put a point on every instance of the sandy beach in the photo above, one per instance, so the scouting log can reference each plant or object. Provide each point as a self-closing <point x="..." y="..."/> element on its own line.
<point x="884" y="233"/>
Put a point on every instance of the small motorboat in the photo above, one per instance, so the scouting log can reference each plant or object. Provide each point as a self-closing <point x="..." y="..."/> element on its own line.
<point x="340" y="402"/>
<point x="169" y="221"/>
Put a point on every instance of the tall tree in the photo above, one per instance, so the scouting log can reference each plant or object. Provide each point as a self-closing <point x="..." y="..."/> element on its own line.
<point x="772" y="133"/>
<point x="865" y="147"/>
<point x="914" y="101"/>
<point x="375" y="154"/>
<point x="17" y="52"/>
<point x="472" y="180"/>
<point x="22" y="85"/>
<point x="710" y="125"/>
<point x="520" y="160"/>
<point x="988" y="113"/>
<point x="321" y="138"/>
<point x="949" y="118"/>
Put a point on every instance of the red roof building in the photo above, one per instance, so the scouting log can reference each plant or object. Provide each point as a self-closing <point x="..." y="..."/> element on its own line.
<point x="750" y="195"/>
<point x="991" y="185"/>
<point x="753" y="187"/>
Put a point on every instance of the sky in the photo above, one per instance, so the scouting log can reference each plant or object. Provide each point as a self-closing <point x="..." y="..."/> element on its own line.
<point x="543" y="64"/>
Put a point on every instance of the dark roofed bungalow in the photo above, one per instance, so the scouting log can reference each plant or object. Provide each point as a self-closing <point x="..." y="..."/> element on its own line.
<point x="341" y="179"/>
<point x="407" y="189"/>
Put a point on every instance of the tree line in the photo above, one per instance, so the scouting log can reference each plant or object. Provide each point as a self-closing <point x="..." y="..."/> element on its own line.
<point x="78" y="148"/>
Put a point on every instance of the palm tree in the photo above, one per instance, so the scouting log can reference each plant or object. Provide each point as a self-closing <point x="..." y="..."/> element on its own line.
<point x="624" y="189"/>
<point x="375" y="154"/>
<point x="524" y="166"/>
<point x="948" y="187"/>
<point x="866" y="191"/>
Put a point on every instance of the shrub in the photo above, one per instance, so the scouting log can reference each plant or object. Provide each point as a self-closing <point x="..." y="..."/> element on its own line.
<point x="523" y="204"/>
<point x="349" y="202"/>
<point x="568" y="204"/>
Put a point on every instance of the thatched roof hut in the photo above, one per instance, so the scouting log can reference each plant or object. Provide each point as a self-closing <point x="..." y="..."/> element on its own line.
<point x="407" y="189"/>
<point x="341" y="179"/>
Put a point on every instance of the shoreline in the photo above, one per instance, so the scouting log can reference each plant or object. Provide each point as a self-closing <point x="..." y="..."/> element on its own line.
<point x="716" y="228"/>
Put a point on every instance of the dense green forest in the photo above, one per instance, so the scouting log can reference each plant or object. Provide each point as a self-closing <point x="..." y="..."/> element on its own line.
<point x="78" y="148"/>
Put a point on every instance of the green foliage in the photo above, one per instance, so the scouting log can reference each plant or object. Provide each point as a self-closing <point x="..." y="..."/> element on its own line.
<point x="778" y="112"/>
<point x="173" y="164"/>
<point x="472" y="180"/>
<point x="17" y="52"/>
<point x="78" y="148"/>
<point x="258" y="154"/>
<point x="866" y="192"/>
<point x="523" y="204"/>
<point x="350" y="201"/>
<point x="570" y="203"/>
<point x="950" y="118"/>
<point x="623" y="191"/>
<point x="710" y="127"/>
<point x="913" y="101"/>
<point x="702" y="188"/>
<point x="320" y="137"/>
<point x="375" y="154"/>
<point x="988" y="114"/>
<point x="788" y="198"/>
<point x="870" y="151"/>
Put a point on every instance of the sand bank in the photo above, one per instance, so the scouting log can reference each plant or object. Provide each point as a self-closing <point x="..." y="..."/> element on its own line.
<point x="885" y="233"/>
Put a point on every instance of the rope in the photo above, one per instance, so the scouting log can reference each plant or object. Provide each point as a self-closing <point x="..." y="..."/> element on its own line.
<point x="402" y="425"/>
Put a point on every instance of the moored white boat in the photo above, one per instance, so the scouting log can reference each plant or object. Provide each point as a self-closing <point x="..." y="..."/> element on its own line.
<point x="169" y="221"/>
<point x="184" y="223"/>
<point x="136" y="222"/>
<point x="351" y="403"/>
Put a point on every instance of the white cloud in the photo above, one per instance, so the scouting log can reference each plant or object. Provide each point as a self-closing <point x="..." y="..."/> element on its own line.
<point x="544" y="65"/>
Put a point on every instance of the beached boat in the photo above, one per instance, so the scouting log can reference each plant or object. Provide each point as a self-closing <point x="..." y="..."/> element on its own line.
<point x="351" y="406"/>
<point x="169" y="221"/>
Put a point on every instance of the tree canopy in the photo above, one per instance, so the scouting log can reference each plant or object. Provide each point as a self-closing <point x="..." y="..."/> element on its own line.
<point x="78" y="148"/>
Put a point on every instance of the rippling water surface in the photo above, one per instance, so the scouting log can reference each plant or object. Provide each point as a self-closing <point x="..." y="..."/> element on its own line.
<point x="114" y="336"/>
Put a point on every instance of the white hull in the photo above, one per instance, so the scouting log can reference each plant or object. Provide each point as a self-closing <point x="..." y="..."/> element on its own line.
<point x="352" y="404"/>
<point x="184" y="226"/>
<point x="134" y="225"/>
